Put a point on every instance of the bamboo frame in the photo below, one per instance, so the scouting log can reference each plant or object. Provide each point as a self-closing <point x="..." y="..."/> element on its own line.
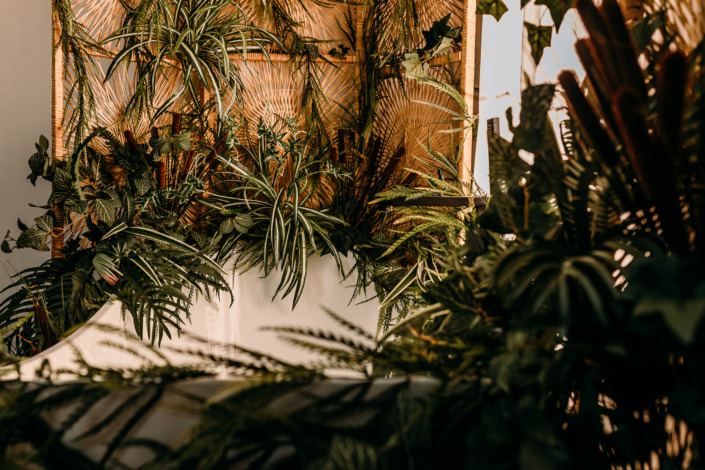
<point x="57" y="112"/>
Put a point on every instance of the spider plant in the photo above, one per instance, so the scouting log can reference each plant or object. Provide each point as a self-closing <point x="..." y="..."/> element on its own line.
<point x="270" y="220"/>
<point x="192" y="38"/>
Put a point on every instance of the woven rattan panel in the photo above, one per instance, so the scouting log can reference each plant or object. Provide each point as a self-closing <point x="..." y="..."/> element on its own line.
<point x="272" y="85"/>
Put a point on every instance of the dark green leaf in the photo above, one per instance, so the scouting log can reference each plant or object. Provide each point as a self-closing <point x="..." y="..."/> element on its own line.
<point x="43" y="144"/>
<point x="63" y="182"/>
<point x="243" y="223"/>
<point x="557" y="8"/>
<point x="227" y="226"/>
<point x="45" y="222"/>
<point x="33" y="238"/>
<point x="539" y="39"/>
<point x="143" y="184"/>
<point x="105" y="208"/>
<point x="496" y="8"/>
<point x="5" y="247"/>
<point x="21" y="225"/>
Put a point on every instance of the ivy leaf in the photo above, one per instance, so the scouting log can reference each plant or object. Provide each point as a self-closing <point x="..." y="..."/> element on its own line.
<point x="539" y="39"/>
<point x="415" y="69"/>
<point x="496" y="8"/>
<point x="5" y="247"/>
<point x="438" y="32"/>
<point x="558" y="9"/>
<point x="45" y="222"/>
<point x="443" y="47"/>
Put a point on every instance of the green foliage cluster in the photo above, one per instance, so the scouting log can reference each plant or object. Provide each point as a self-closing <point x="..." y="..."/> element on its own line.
<point x="140" y="223"/>
<point x="124" y="240"/>
<point x="566" y="331"/>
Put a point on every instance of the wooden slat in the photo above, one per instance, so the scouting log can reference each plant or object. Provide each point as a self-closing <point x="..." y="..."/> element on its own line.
<point x="436" y="201"/>
<point x="57" y="135"/>
<point x="470" y="80"/>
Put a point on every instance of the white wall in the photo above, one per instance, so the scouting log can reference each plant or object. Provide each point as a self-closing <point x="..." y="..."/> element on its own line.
<point x="25" y="105"/>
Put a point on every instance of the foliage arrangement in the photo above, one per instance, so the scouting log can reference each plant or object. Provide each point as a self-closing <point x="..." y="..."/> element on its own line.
<point x="565" y="333"/>
<point x="127" y="239"/>
<point x="135" y="207"/>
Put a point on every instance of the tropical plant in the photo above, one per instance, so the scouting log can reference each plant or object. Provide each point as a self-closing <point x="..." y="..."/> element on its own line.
<point x="271" y="220"/>
<point x="193" y="39"/>
<point x="124" y="241"/>
<point x="566" y="334"/>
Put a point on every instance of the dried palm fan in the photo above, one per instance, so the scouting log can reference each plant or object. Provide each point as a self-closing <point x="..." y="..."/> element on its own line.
<point x="276" y="95"/>
<point x="278" y="89"/>
<point x="101" y="17"/>
<point x="415" y="118"/>
<point x="686" y="18"/>
<point x="333" y="23"/>
<point x="415" y="123"/>
<point x="402" y="22"/>
<point x="112" y="99"/>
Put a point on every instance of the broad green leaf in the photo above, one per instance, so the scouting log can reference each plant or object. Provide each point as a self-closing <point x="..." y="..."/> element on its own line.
<point x="105" y="208"/>
<point x="558" y="9"/>
<point x="143" y="184"/>
<point x="539" y="39"/>
<point x="62" y="181"/>
<point x="414" y="67"/>
<point x="243" y="223"/>
<point x="43" y="144"/>
<point x="496" y="8"/>
<point x="681" y="315"/>
<point x="45" y="222"/>
<point x="33" y="238"/>
<point x="227" y="226"/>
